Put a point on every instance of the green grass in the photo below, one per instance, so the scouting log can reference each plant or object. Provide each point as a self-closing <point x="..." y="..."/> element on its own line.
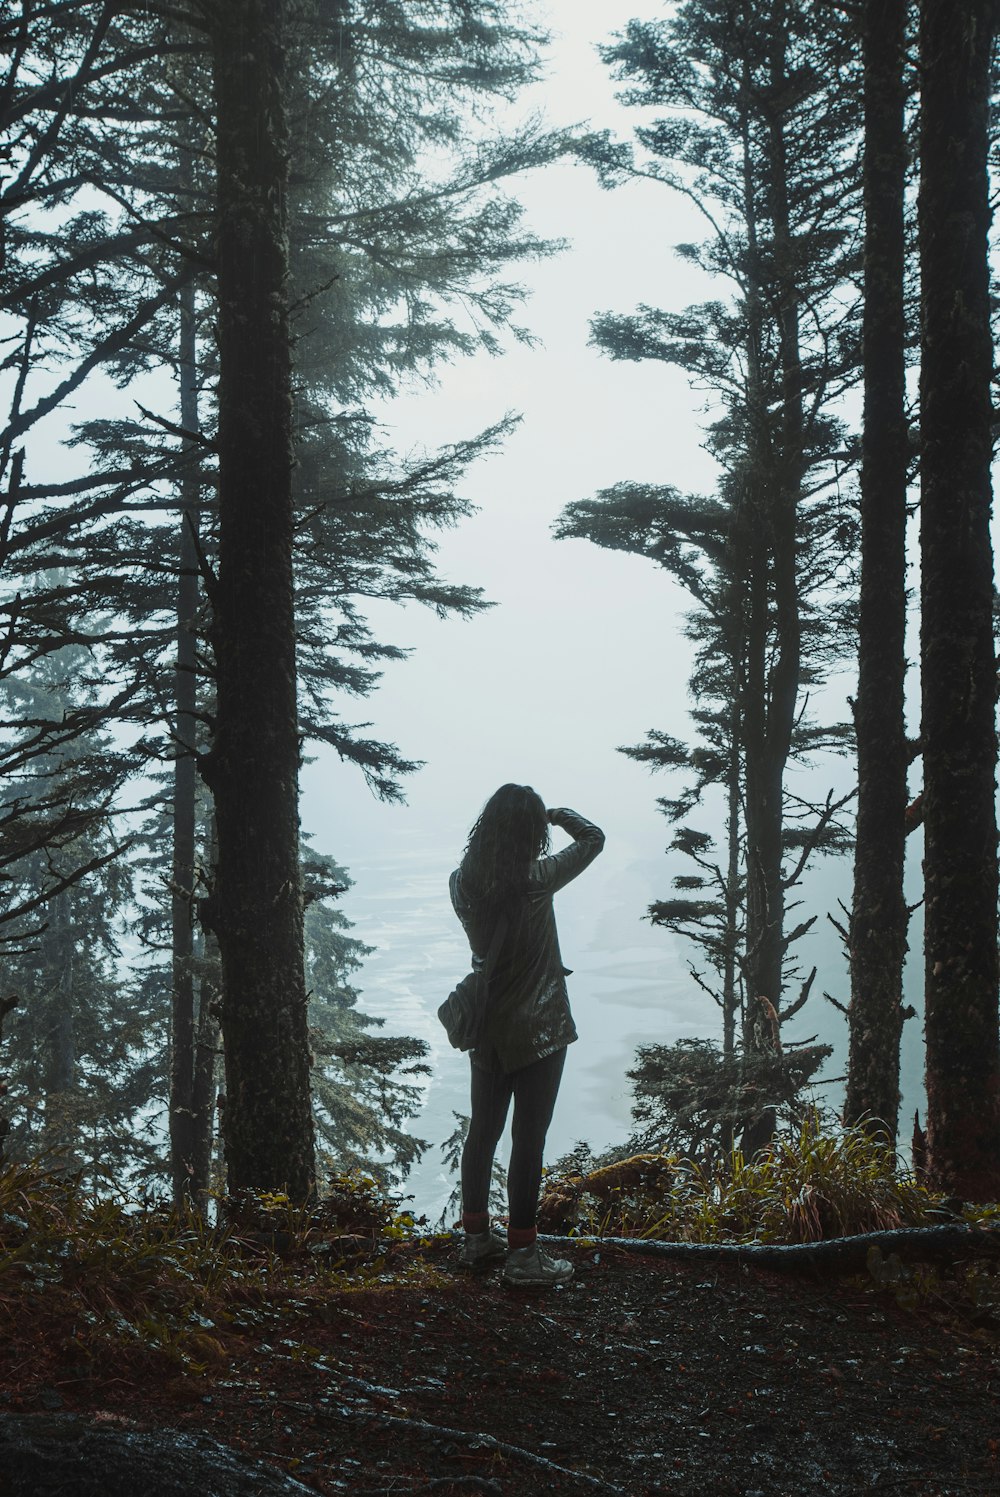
<point x="814" y="1185"/>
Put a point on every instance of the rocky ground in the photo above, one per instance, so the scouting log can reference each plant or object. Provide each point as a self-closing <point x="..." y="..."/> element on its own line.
<point x="642" y="1376"/>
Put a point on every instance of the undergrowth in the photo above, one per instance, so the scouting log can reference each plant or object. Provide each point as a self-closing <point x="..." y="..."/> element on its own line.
<point x="104" y="1282"/>
<point x="804" y="1188"/>
<point x="99" y="1279"/>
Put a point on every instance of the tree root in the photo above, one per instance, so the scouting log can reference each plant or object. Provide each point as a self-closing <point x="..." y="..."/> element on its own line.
<point x="471" y="1439"/>
<point x="842" y="1254"/>
<point x="435" y="1484"/>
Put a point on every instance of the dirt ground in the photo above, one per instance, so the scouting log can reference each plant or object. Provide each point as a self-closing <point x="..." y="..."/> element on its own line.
<point x="640" y="1376"/>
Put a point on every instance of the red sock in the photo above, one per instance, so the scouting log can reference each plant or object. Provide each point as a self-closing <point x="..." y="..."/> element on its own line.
<point x="521" y="1237"/>
<point x="476" y="1221"/>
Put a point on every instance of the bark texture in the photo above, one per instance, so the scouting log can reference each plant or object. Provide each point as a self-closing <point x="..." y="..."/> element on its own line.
<point x="256" y="905"/>
<point x="774" y="635"/>
<point x="731" y="991"/>
<point x="945" y="1244"/>
<point x="957" y="655"/>
<point x="762" y="811"/>
<point x="6" y="1005"/>
<point x="205" y="1082"/>
<point x="879" y="915"/>
<point x="57" y="951"/>
<point x="182" y="1008"/>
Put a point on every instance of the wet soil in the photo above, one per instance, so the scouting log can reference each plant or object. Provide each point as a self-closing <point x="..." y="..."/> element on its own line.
<point x="641" y="1376"/>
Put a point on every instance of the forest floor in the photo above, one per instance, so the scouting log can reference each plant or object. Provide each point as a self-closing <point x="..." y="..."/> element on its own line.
<point x="641" y="1376"/>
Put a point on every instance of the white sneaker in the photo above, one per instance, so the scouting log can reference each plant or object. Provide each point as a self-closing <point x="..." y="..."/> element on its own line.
<point x="480" y="1249"/>
<point x="533" y="1268"/>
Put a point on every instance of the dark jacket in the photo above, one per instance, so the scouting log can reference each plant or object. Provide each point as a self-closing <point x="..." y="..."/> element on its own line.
<point x="528" y="1015"/>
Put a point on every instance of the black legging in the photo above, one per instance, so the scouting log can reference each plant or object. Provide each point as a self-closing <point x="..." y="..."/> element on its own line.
<point x="534" y="1091"/>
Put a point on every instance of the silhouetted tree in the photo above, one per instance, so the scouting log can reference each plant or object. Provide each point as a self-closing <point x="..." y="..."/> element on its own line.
<point x="83" y="1047"/>
<point x="383" y="246"/>
<point x="879" y="918"/>
<point x="66" y="97"/>
<point x="958" y="667"/>
<point x="255" y="910"/>
<point x="758" y="130"/>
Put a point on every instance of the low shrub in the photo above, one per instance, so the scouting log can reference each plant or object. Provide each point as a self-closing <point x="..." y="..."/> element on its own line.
<point x="802" y="1188"/>
<point x="137" y="1279"/>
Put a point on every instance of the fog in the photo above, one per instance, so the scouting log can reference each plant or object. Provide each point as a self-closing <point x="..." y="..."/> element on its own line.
<point x="584" y="651"/>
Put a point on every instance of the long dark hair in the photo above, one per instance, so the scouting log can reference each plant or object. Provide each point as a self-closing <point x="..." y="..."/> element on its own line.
<point x="512" y="830"/>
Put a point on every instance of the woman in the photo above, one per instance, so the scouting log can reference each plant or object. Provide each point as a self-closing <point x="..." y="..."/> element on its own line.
<point x="502" y="893"/>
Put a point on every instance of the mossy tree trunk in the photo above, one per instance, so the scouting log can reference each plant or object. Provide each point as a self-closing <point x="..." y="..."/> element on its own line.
<point x="252" y="770"/>
<point x="879" y="915"/>
<point x="957" y="651"/>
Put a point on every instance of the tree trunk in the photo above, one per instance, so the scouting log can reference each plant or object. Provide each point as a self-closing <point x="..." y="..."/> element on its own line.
<point x="779" y="484"/>
<point x="762" y="808"/>
<point x="61" y="1132"/>
<point x="731" y="989"/>
<point x="60" y="1038"/>
<point x="785" y="490"/>
<point x="182" y="1045"/>
<point x="778" y="479"/>
<point x="205" y="1084"/>
<point x="957" y="654"/>
<point x="763" y="772"/>
<point x="6" y="1005"/>
<point x="879" y="917"/>
<point x="762" y="952"/>
<point x="256" y="905"/>
<point x="206" y="1057"/>
<point x="733" y="901"/>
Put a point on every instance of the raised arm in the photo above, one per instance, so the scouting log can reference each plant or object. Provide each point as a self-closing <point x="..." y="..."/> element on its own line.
<point x="551" y="873"/>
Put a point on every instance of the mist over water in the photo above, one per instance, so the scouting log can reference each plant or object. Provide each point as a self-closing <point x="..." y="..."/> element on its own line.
<point x="625" y="988"/>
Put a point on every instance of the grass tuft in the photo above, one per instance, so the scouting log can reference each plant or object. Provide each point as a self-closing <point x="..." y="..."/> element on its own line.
<point x="802" y="1189"/>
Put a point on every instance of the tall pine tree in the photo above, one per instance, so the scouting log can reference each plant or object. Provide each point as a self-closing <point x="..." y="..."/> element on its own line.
<point x="958" y="668"/>
<point x="252" y="766"/>
<point x="879" y="918"/>
<point x="757" y="129"/>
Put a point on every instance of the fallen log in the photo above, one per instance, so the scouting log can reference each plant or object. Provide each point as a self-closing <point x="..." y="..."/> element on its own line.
<point x="947" y="1243"/>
